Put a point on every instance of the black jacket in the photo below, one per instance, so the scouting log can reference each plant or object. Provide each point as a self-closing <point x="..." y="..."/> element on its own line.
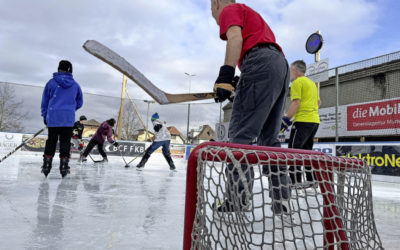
<point x="77" y="130"/>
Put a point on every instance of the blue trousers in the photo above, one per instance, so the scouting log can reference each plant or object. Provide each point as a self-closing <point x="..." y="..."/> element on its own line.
<point x="155" y="145"/>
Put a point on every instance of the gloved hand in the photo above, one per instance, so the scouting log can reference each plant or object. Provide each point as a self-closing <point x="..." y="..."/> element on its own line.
<point x="80" y="146"/>
<point x="223" y="85"/>
<point x="44" y="121"/>
<point x="234" y="84"/>
<point x="286" y="123"/>
<point x="115" y="144"/>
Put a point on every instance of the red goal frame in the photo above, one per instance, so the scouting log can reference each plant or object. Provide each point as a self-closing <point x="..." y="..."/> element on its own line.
<point x="333" y="225"/>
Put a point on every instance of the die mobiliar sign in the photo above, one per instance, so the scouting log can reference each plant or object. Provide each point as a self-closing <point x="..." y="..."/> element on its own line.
<point x="374" y="115"/>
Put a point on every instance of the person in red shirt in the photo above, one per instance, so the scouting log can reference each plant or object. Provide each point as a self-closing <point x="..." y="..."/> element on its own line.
<point x="259" y="95"/>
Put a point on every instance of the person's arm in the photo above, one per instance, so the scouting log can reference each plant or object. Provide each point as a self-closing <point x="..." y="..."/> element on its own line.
<point x="319" y="103"/>
<point x="45" y="101"/>
<point x="109" y="136"/>
<point x="79" y="98"/>
<point x="233" y="46"/>
<point x="294" y="106"/>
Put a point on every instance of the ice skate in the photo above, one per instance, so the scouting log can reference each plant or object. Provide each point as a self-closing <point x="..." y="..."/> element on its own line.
<point x="82" y="159"/>
<point x="142" y="162"/>
<point x="64" y="168"/>
<point x="283" y="213"/>
<point x="170" y="162"/>
<point x="47" y="164"/>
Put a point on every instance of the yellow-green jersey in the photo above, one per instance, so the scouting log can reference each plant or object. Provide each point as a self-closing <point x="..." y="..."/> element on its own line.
<point x="306" y="90"/>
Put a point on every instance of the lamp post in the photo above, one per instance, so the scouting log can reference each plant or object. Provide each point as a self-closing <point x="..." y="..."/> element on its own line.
<point x="147" y="117"/>
<point x="188" y="117"/>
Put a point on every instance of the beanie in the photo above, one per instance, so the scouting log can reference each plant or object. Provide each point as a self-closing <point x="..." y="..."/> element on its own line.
<point x="65" y="65"/>
<point x="155" y="116"/>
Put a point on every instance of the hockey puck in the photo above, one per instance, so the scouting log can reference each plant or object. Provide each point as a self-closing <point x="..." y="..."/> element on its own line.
<point x="126" y="166"/>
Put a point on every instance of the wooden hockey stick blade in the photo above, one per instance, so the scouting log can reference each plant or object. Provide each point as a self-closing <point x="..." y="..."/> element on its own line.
<point x="119" y="63"/>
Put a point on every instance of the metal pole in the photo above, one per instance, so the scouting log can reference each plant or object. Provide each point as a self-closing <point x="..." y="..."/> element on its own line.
<point x="188" y="119"/>
<point x="147" y="117"/>
<point x="317" y="59"/>
<point x="337" y="105"/>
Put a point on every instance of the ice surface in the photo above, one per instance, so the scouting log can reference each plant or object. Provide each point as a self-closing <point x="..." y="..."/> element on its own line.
<point x="110" y="207"/>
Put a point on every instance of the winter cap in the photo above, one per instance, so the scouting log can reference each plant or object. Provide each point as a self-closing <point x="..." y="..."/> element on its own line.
<point x="111" y="122"/>
<point x="82" y="118"/>
<point x="65" y="65"/>
<point x="155" y="116"/>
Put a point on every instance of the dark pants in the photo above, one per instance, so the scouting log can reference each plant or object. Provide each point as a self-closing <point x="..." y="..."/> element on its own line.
<point x="257" y="112"/>
<point x="64" y="133"/>
<point x="157" y="144"/>
<point x="302" y="137"/>
<point x="91" y="145"/>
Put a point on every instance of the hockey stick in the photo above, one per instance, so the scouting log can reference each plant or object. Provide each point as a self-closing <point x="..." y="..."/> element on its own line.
<point x="119" y="63"/>
<point x="22" y="144"/>
<point x="95" y="160"/>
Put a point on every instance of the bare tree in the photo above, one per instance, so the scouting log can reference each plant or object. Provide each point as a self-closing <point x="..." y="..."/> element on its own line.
<point x="11" y="110"/>
<point x="130" y="124"/>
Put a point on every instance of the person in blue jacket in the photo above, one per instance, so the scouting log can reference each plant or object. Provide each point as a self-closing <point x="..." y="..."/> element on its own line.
<point x="62" y="96"/>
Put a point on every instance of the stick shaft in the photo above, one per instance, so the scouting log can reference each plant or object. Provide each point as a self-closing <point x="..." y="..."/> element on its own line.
<point x="22" y="144"/>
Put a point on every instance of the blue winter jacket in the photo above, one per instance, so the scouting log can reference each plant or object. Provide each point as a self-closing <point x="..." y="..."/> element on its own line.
<point x="62" y="96"/>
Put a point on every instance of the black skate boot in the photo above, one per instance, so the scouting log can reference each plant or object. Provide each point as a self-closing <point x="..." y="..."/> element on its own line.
<point x="47" y="161"/>
<point x="170" y="162"/>
<point x="64" y="168"/>
<point x="145" y="157"/>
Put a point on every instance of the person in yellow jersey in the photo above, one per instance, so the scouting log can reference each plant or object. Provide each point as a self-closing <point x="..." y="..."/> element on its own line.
<point x="303" y="108"/>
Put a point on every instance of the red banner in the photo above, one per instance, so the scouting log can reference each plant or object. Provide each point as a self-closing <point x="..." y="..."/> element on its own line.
<point x="376" y="115"/>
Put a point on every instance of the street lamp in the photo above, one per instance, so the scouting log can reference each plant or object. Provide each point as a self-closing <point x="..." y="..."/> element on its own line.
<point x="147" y="117"/>
<point x="188" y="117"/>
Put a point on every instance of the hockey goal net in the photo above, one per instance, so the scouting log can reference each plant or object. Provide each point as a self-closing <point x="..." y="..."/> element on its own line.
<point x="241" y="197"/>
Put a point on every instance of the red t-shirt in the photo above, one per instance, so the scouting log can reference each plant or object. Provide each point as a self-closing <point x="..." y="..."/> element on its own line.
<point x="254" y="29"/>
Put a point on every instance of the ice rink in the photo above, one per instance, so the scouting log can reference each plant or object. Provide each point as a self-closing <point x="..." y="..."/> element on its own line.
<point x="110" y="207"/>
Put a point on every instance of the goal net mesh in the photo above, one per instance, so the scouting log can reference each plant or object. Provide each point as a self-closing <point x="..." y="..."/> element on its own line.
<point x="246" y="200"/>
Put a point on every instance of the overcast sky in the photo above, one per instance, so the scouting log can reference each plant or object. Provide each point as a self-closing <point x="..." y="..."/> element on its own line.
<point x="165" y="38"/>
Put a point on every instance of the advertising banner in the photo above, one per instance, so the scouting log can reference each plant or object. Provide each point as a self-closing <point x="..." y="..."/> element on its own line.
<point x="374" y="115"/>
<point x="127" y="148"/>
<point x="176" y="150"/>
<point x="384" y="158"/>
<point x="8" y="142"/>
<point x="362" y="119"/>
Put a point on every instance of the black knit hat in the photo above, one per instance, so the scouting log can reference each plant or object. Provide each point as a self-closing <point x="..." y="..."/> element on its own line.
<point x="65" y="65"/>
<point x="82" y="118"/>
<point x="111" y="122"/>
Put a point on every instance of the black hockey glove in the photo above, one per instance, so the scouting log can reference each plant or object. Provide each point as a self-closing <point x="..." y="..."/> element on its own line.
<point x="234" y="84"/>
<point x="286" y="123"/>
<point x="44" y="121"/>
<point x="157" y="127"/>
<point x="115" y="144"/>
<point x="223" y="85"/>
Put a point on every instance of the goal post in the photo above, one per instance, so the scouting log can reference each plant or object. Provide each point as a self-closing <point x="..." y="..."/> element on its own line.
<point x="330" y="215"/>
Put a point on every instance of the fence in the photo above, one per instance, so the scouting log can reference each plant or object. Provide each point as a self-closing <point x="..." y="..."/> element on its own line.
<point x="361" y="101"/>
<point x="21" y="111"/>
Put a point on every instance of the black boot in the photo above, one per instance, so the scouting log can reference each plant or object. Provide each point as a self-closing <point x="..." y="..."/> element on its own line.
<point x="170" y="161"/>
<point x="64" y="168"/>
<point x="47" y="161"/>
<point x="145" y="157"/>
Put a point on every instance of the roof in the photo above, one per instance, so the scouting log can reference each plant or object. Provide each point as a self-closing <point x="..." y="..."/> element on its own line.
<point x="173" y="130"/>
<point x="92" y="122"/>
<point x="206" y="133"/>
